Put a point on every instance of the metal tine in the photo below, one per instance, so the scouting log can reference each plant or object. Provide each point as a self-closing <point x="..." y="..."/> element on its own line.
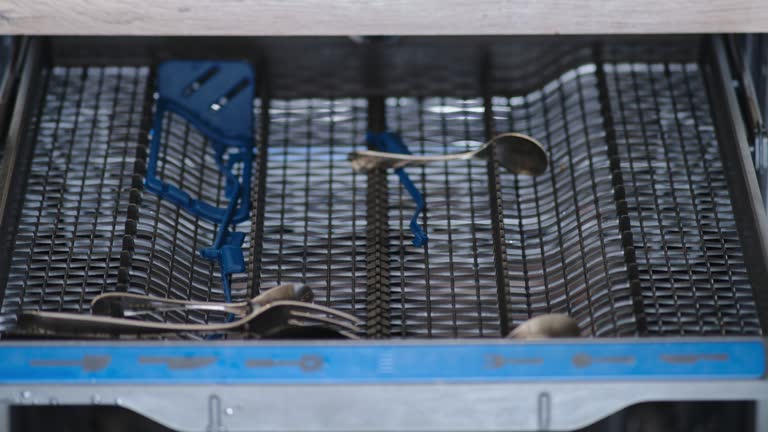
<point x="68" y="323"/>
<point x="79" y="323"/>
<point x="137" y="304"/>
<point x="324" y="320"/>
<point x="266" y="324"/>
<point x="296" y="305"/>
<point x="349" y="335"/>
<point x="341" y="330"/>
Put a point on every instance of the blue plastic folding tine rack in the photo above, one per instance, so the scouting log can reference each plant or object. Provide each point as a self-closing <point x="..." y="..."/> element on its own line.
<point x="216" y="97"/>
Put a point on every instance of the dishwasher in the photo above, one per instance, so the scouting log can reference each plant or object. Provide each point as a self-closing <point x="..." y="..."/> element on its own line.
<point x="135" y="245"/>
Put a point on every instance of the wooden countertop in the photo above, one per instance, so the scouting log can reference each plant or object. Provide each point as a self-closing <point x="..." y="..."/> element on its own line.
<point x="401" y="17"/>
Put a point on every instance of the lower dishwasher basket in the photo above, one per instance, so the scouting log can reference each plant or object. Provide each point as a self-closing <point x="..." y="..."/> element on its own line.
<point x="647" y="229"/>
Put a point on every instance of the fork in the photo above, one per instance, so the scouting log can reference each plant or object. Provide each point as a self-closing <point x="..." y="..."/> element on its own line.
<point x="280" y="308"/>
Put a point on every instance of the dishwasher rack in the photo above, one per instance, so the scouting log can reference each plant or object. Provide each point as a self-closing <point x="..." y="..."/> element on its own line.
<point x="645" y="223"/>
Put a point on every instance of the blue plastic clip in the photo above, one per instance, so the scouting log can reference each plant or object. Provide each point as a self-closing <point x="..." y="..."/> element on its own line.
<point x="216" y="97"/>
<point x="392" y="143"/>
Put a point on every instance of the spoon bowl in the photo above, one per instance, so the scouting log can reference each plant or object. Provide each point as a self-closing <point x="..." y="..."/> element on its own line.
<point x="551" y="325"/>
<point x="517" y="153"/>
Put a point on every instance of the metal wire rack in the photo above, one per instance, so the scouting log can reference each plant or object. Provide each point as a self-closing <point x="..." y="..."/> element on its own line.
<point x="314" y="207"/>
<point x="165" y="239"/>
<point x="687" y="247"/>
<point x="563" y="242"/>
<point x="447" y="288"/>
<point x="631" y="230"/>
<point x="70" y="232"/>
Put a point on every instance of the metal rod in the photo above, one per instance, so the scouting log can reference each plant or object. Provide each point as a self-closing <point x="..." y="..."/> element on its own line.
<point x="126" y="256"/>
<point x="617" y="179"/>
<point x="751" y="219"/>
<point x="18" y="151"/>
<point x="258" y="197"/>
<point x="378" y="294"/>
<point x="497" y="207"/>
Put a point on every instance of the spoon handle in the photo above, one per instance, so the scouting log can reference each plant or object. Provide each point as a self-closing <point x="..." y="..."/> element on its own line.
<point x="367" y="160"/>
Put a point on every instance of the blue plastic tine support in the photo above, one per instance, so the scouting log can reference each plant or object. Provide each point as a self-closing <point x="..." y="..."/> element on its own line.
<point x="216" y="97"/>
<point x="392" y="143"/>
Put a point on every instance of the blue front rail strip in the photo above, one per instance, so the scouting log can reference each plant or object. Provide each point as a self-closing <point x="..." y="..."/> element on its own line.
<point x="316" y="363"/>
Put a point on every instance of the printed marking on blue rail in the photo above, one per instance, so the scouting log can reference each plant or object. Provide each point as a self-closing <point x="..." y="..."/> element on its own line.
<point x="94" y="363"/>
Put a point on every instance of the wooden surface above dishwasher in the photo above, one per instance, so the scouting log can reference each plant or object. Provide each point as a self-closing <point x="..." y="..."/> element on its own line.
<point x="345" y="17"/>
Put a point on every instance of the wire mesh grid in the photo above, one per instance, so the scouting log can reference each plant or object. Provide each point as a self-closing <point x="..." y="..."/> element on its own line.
<point x="448" y="287"/>
<point x="519" y="70"/>
<point x="331" y="72"/>
<point x="412" y="71"/>
<point x="687" y="246"/>
<point x="69" y="235"/>
<point x="564" y="249"/>
<point x="314" y="207"/>
<point x="167" y="239"/>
